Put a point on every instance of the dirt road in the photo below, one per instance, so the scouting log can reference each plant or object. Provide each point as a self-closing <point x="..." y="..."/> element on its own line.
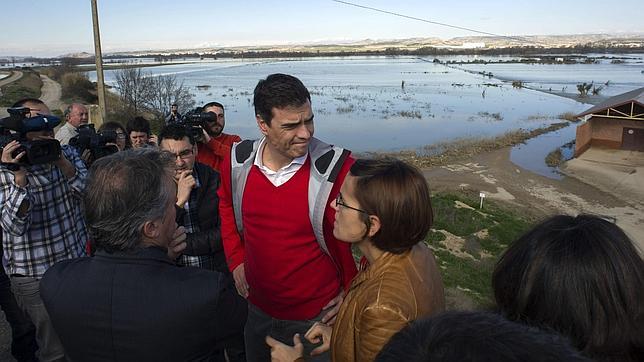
<point x="51" y="92"/>
<point x="15" y="75"/>
<point x="535" y="195"/>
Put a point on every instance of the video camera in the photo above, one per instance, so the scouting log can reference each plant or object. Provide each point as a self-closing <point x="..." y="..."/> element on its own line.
<point x="195" y="122"/>
<point x="16" y="126"/>
<point x="95" y="142"/>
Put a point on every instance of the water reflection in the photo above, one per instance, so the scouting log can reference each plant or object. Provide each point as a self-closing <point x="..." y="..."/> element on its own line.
<point x="532" y="154"/>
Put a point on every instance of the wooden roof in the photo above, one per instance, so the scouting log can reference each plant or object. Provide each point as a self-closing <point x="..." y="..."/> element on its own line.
<point x="629" y="105"/>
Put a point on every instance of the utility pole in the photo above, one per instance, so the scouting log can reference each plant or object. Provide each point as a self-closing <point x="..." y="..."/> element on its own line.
<point x="99" y="62"/>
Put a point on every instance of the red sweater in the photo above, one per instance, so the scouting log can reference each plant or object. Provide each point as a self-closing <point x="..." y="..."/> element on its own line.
<point x="213" y="152"/>
<point x="290" y="277"/>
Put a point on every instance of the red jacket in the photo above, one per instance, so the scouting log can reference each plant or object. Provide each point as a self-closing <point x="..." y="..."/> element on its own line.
<point x="213" y="152"/>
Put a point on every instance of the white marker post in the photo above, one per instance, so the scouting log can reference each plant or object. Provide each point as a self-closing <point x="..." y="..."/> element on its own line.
<point x="482" y="196"/>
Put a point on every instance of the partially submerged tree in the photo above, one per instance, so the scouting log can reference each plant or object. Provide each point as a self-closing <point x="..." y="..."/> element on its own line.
<point x="584" y="88"/>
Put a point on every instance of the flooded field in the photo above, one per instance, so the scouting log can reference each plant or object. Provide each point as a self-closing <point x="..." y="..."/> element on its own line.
<point x="396" y="103"/>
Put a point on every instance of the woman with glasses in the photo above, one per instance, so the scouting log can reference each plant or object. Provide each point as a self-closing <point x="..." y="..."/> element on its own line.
<point x="121" y="136"/>
<point x="384" y="209"/>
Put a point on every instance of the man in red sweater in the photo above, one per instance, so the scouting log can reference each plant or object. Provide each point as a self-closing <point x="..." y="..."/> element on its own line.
<point x="277" y="225"/>
<point x="216" y="144"/>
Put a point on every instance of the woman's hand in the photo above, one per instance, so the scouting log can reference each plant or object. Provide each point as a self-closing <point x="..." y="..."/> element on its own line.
<point x="319" y="332"/>
<point x="281" y="352"/>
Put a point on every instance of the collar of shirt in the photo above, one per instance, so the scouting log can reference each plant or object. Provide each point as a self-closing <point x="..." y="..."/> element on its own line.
<point x="281" y="176"/>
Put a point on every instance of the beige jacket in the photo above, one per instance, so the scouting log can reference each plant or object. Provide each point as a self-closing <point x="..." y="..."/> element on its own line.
<point x="383" y="299"/>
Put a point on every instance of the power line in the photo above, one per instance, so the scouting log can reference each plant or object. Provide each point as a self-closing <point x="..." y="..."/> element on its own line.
<point x="433" y="22"/>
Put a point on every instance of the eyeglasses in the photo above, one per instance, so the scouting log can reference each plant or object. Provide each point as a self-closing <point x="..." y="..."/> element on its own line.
<point x="185" y="154"/>
<point x="340" y="202"/>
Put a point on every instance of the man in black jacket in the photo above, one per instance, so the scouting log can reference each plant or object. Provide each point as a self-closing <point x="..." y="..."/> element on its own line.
<point x="198" y="211"/>
<point x="197" y="202"/>
<point x="131" y="302"/>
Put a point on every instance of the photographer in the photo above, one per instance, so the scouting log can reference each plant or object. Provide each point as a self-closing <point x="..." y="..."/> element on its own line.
<point x="41" y="219"/>
<point x="174" y="115"/>
<point x="215" y="144"/>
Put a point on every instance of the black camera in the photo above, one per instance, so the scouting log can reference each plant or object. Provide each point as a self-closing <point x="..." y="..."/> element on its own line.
<point x="18" y="124"/>
<point x="195" y="122"/>
<point x="100" y="144"/>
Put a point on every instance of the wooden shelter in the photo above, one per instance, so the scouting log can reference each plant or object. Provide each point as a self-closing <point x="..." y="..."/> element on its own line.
<point x="616" y="123"/>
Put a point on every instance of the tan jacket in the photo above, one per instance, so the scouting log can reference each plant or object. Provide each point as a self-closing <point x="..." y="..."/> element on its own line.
<point x="383" y="299"/>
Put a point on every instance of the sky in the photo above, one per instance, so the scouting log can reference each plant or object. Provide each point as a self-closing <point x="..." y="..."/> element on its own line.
<point x="56" y="27"/>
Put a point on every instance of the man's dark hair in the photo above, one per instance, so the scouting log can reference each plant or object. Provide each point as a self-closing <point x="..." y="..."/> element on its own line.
<point x="399" y="196"/>
<point x="475" y="336"/>
<point x="582" y="277"/>
<point x="24" y="101"/>
<point x="212" y="104"/>
<point x="138" y="124"/>
<point x="278" y="91"/>
<point x="124" y="191"/>
<point x="175" y="132"/>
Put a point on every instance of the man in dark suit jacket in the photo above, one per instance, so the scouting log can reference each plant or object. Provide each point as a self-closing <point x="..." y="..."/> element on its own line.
<point x="130" y="302"/>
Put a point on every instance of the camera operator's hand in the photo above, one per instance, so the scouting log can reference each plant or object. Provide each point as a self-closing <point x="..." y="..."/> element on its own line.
<point x="20" y="176"/>
<point x="206" y="137"/>
<point x="185" y="183"/>
<point x="8" y="150"/>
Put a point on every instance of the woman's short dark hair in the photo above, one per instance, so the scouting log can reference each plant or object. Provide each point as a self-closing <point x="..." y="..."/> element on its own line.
<point x="278" y="91"/>
<point x="475" y="336"/>
<point x="138" y="124"/>
<point x="398" y="194"/>
<point x="112" y="126"/>
<point x="581" y="276"/>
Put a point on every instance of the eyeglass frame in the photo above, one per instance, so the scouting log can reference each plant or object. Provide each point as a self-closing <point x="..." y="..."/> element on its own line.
<point x="339" y="200"/>
<point x="185" y="154"/>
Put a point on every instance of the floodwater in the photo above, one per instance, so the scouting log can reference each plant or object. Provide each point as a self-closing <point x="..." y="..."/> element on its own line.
<point x="531" y="155"/>
<point x="361" y="103"/>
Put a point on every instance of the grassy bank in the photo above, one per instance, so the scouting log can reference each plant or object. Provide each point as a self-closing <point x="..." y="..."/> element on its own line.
<point x="467" y="242"/>
<point x="446" y="152"/>
<point x="28" y="86"/>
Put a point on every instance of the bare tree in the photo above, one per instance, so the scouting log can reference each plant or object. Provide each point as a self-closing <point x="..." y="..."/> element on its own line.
<point x="167" y="90"/>
<point x="142" y="91"/>
<point x="134" y="86"/>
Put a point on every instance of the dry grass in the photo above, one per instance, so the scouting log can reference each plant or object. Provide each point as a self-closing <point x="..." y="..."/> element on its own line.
<point x="446" y="152"/>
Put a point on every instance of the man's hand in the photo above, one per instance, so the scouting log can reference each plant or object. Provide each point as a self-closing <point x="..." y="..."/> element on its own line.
<point x="206" y="136"/>
<point x="319" y="332"/>
<point x="178" y="243"/>
<point x="333" y="307"/>
<point x="20" y="176"/>
<point x="185" y="183"/>
<point x="8" y="150"/>
<point x="239" y="275"/>
<point x="281" y="352"/>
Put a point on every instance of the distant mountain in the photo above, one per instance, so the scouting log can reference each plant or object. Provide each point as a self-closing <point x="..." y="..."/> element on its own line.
<point x="489" y="42"/>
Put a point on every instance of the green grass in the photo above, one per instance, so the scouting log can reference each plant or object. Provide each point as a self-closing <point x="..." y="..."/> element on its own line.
<point x="472" y="275"/>
<point x="28" y="86"/>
